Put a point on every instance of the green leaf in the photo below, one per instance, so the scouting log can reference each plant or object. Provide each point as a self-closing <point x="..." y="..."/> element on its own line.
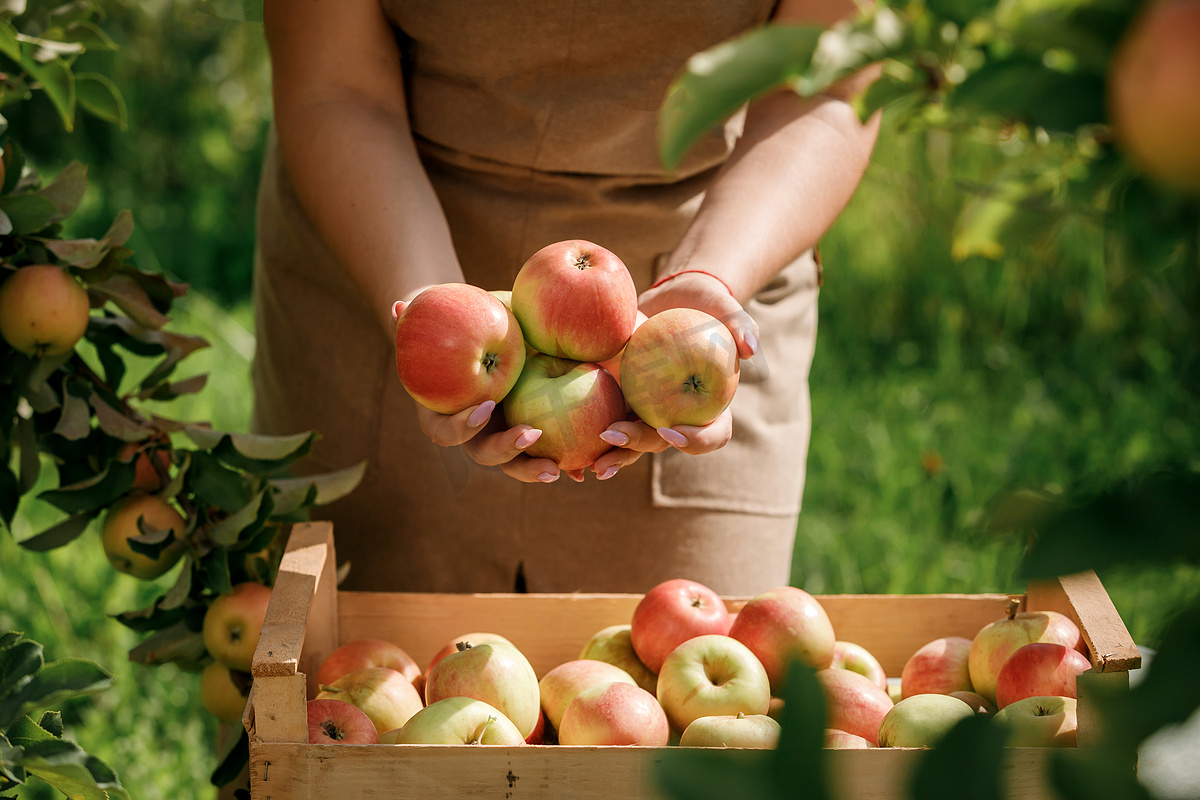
<point x="250" y="517"/>
<point x="99" y="96"/>
<point x="73" y="771"/>
<point x="292" y="494"/>
<point x="250" y="452"/>
<point x="94" y="493"/>
<point x="214" y="574"/>
<point x="685" y="773"/>
<point x="172" y="602"/>
<point x="26" y="732"/>
<point x="81" y="253"/>
<point x="960" y="11"/>
<point x="67" y="189"/>
<point x="802" y="736"/>
<point x="174" y="644"/>
<point x="28" y="213"/>
<point x="718" y="81"/>
<point x="169" y="391"/>
<point x="62" y="679"/>
<point x="9" y="45"/>
<point x="233" y="761"/>
<point x="30" y="464"/>
<point x="847" y="47"/>
<point x="128" y="295"/>
<point x="8" y="639"/>
<point x="60" y="534"/>
<point x="10" y="495"/>
<point x="240" y="10"/>
<point x="56" y="80"/>
<point x="216" y="484"/>
<point x="1030" y="92"/>
<point x="75" y="421"/>
<point x="90" y="35"/>
<point x="971" y="754"/>
<point x="19" y="664"/>
<point x="52" y="723"/>
<point x="117" y="424"/>
<point x="1087" y="774"/>
<point x="151" y="541"/>
<point x="121" y="229"/>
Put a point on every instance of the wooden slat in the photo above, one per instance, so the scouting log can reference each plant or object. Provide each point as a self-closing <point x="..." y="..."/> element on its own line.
<point x="280" y="713"/>
<point x="1112" y="647"/>
<point x="310" y="548"/>
<point x="552" y="628"/>
<point x="885" y="773"/>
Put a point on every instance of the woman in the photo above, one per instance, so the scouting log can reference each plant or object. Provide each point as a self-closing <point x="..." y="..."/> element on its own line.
<point x="428" y="142"/>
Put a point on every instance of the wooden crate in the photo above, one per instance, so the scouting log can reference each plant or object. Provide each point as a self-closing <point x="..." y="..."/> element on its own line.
<point x="309" y="617"/>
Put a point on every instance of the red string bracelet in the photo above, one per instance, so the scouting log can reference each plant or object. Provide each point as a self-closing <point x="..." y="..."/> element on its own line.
<point x="666" y="278"/>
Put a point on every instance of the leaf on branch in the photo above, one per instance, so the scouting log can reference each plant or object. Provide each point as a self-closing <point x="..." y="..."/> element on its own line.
<point x="116" y="424"/>
<point x="26" y="732"/>
<point x="52" y="723"/>
<point x="54" y="682"/>
<point x="99" y="96"/>
<point x="30" y="465"/>
<point x="233" y="761"/>
<point x="9" y="44"/>
<point x="961" y="11"/>
<point x="121" y="229"/>
<point x="94" y="493"/>
<point x="1032" y="93"/>
<point x="718" y="81"/>
<point x="850" y="46"/>
<point x="216" y="484"/>
<point x="169" y="391"/>
<point x="19" y="662"/>
<point x="249" y="519"/>
<point x="10" y="495"/>
<point x="130" y="297"/>
<point x="171" y="603"/>
<point x="75" y="422"/>
<point x="90" y="35"/>
<point x="151" y="541"/>
<point x="60" y="534"/>
<point x="176" y="643"/>
<point x="28" y="213"/>
<point x="81" y="253"/>
<point x="292" y="494"/>
<point x="67" y="189"/>
<point x="214" y="572"/>
<point x="73" y="771"/>
<point x="253" y="453"/>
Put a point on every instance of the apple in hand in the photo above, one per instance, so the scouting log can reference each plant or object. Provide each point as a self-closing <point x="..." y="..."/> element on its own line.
<point x="1040" y="722"/>
<point x="457" y="346"/>
<point x="785" y="623"/>
<point x="1039" y="669"/>
<point x="362" y="653"/>
<point x="575" y="300"/>
<point x="220" y="694"/>
<point x="939" y="667"/>
<point x="712" y="675"/>
<point x="494" y="672"/>
<point x="854" y="704"/>
<point x="756" y="731"/>
<point x="44" y="310"/>
<point x="564" y="682"/>
<point x="126" y="520"/>
<point x="571" y="402"/>
<point x="856" y="658"/>
<point x="921" y="720"/>
<point x="233" y="622"/>
<point x="998" y="640"/>
<point x="614" y="645"/>
<point x="670" y="614"/>
<point x="460" y="720"/>
<point x="680" y="367"/>
<point x="614" y="714"/>
<point x="338" y="722"/>
<point x="383" y="694"/>
<point x="840" y="740"/>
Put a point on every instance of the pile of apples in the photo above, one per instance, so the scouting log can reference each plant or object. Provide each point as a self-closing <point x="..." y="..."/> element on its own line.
<point x="686" y="670"/>
<point x="566" y="351"/>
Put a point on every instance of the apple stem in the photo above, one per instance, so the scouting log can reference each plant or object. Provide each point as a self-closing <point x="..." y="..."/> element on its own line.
<point x="1013" y="605"/>
<point x="461" y="646"/>
<point x="483" y="730"/>
<point x="741" y="715"/>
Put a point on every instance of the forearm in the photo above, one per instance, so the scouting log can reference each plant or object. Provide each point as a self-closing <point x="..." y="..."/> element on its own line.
<point x="790" y="175"/>
<point x="358" y="176"/>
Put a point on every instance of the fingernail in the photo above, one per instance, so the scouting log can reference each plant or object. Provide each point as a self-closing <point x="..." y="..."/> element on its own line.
<point x="397" y="307"/>
<point x="481" y="414"/>
<point x="608" y="473"/>
<point x="576" y="478"/>
<point x="673" y="437"/>
<point x="527" y="438"/>
<point x="547" y="477"/>
<point x="751" y="342"/>
<point x="615" y="438"/>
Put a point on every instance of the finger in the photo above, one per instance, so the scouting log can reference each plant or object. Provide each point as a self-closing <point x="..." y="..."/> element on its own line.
<point x="697" y="440"/>
<point x="634" y="435"/>
<point x="610" y="463"/>
<point x="449" y="430"/>
<point x="744" y="330"/>
<point x="575" y="475"/>
<point x="491" y="449"/>
<point x="531" y="470"/>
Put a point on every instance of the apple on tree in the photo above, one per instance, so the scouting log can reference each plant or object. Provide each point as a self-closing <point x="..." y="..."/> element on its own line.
<point x="1040" y="669"/>
<point x="614" y="644"/>
<point x="712" y="675"/>
<point x="575" y="300"/>
<point x="615" y="713"/>
<point x="671" y="613"/>
<point x="998" y="640"/>
<point x="383" y="694"/>
<point x="44" y="310"/>
<point x="785" y="623"/>
<point x="221" y="695"/>
<point x="457" y="346"/>
<point x="494" y="672"/>
<point x="338" y="722"/>
<point x="680" y="367"/>
<point x="233" y="622"/>
<point x="459" y="720"/>
<point x="757" y="731"/>
<point x="142" y="517"/>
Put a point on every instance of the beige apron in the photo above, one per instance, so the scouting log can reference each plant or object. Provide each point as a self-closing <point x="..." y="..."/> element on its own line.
<point x="535" y="120"/>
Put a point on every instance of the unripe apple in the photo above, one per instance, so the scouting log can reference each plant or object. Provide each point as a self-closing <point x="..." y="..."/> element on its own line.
<point x="43" y="310"/>
<point x="921" y="720"/>
<point x="233" y="623"/>
<point x="459" y="720"/>
<point x="121" y="525"/>
<point x="1040" y="722"/>
<point x="614" y="645"/>
<point x="756" y="731"/>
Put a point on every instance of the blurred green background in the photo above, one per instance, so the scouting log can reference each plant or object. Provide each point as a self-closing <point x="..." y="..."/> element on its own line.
<point x="937" y="383"/>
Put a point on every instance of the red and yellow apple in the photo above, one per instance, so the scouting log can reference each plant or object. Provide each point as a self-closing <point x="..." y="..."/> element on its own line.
<point x="785" y="623"/>
<point x="671" y="613"/>
<point x="680" y="367"/>
<point x="976" y="701"/>
<point x="44" y="310"/>
<point x="840" y="740"/>
<point x="755" y="731"/>
<point x="361" y="653"/>
<point x="614" y="645"/>
<point x="494" y="672"/>
<point x="149" y="465"/>
<point x="1040" y="722"/>
<point x="712" y="675"/>
<point x="853" y="703"/>
<point x="233" y="622"/>
<point x="614" y="714"/>
<point x="338" y="722"/>
<point x="998" y="640"/>
<point x="1040" y="669"/>
<point x="137" y="515"/>
<point x="571" y="402"/>
<point x="575" y="300"/>
<point x="383" y="694"/>
<point x="856" y="658"/>
<point x="563" y="683"/>
<point x="457" y="346"/>
<point x="939" y="667"/>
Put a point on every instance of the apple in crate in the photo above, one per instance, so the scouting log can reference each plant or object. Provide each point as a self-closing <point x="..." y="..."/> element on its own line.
<point x="854" y="704"/>
<point x="560" y="685"/>
<point x="575" y="300"/>
<point x="785" y="623"/>
<point x="571" y="402"/>
<point x="459" y="720"/>
<point x="233" y="623"/>
<point x="921" y="720"/>
<point x="494" y="672"/>
<point x="1040" y="722"/>
<point x="362" y="653"/>
<point x="712" y="675"/>
<point x="939" y="667"/>
<point x="670" y="614"/>
<point x="756" y="731"/>
<point x="457" y="346"/>
<point x="614" y="645"/>
<point x="840" y="740"/>
<point x="383" y="694"/>
<point x="976" y="701"/>
<point x="614" y="714"/>
<point x="338" y="722"/>
<point x="680" y="367"/>
<point x="998" y="640"/>
<point x="856" y="658"/>
<point x="1040" y="669"/>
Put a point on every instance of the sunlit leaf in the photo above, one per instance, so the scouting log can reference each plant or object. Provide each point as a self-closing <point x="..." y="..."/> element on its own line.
<point x="8" y="41"/>
<point x="293" y="493"/>
<point x="121" y="229"/>
<point x="970" y="754"/>
<point x="849" y="46"/>
<point x="254" y="453"/>
<point x="55" y="681"/>
<point x="60" y="534"/>
<point x="73" y="771"/>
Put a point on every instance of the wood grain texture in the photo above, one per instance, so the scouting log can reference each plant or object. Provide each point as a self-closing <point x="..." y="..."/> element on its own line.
<point x="310" y="548"/>
<point x="280" y="710"/>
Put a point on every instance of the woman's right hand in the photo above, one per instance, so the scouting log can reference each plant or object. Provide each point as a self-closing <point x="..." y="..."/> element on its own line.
<point x="484" y="437"/>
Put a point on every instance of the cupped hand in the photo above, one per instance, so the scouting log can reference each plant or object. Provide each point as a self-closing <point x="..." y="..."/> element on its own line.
<point x="706" y="293"/>
<point x="632" y="438"/>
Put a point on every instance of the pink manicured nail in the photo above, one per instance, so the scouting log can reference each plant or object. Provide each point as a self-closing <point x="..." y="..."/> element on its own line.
<point x="608" y="473"/>
<point x="547" y="477"/>
<point x="673" y="437"/>
<point x="397" y="307"/>
<point x="751" y="342"/>
<point x="527" y="438"/>
<point x="481" y="414"/>
<point x="615" y="438"/>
